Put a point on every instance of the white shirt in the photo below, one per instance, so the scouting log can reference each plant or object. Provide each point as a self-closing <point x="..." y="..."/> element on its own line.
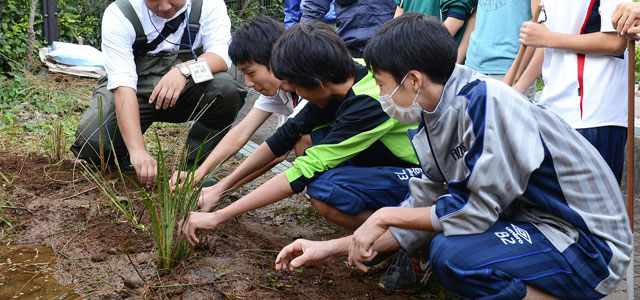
<point x="281" y="103"/>
<point x="118" y="36"/>
<point x="599" y="99"/>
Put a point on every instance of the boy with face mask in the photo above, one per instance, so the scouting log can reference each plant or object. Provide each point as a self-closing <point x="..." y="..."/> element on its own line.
<point x="360" y="161"/>
<point x="513" y="203"/>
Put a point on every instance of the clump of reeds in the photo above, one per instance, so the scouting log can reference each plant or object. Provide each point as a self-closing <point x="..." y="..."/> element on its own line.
<point x="167" y="207"/>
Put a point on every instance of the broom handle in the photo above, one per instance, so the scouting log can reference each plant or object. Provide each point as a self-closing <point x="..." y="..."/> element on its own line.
<point x="630" y="133"/>
<point x="510" y="77"/>
<point x="630" y="158"/>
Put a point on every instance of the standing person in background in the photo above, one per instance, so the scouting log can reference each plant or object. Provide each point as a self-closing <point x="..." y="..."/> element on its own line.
<point x="584" y="72"/>
<point x="454" y="15"/>
<point x="356" y="20"/>
<point x="493" y="44"/>
<point x="293" y="11"/>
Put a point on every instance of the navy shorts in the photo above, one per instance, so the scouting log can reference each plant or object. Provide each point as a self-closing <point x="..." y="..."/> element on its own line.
<point x="499" y="263"/>
<point x="352" y="189"/>
<point x="609" y="141"/>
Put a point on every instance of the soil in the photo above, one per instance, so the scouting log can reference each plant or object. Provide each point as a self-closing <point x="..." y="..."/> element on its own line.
<point x="96" y="250"/>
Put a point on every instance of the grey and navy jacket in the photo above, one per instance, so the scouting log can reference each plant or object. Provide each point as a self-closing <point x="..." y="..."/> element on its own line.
<point x="488" y="153"/>
<point x="359" y="130"/>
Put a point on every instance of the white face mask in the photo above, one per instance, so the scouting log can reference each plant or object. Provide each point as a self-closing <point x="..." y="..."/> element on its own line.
<point x="407" y="115"/>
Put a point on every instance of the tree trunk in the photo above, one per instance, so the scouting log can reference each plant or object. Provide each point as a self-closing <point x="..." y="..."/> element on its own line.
<point x="32" y="36"/>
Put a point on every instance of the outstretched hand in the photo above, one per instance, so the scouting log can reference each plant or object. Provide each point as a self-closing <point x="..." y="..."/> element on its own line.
<point x="304" y="252"/>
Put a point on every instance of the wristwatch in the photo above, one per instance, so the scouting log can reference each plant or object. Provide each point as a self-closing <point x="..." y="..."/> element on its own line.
<point x="183" y="70"/>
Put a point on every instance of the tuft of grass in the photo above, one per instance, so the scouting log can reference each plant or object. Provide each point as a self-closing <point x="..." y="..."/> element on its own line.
<point x="57" y="144"/>
<point x="166" y="208"/>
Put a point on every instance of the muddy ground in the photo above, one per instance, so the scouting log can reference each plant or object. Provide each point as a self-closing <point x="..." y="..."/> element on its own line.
<point x="94" y="250"/>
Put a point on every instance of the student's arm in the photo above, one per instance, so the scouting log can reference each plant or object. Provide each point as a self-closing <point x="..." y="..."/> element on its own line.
<point x="538" y="35"/>
<point x="269" y="192"/>
<point x="453" y="24"/>
<point x="314" y="10"/>
<point x="532" y="72"/>
<point x="128" y="115"/>
<point x="230" y="144"/>
<point x="464" y="42"/>
<point x="458" y="11"/>
<point x="304" y="252"/>
<point x="399" y="11"/>
<point x="378" y="223"/>
<point x="258" y="159"/>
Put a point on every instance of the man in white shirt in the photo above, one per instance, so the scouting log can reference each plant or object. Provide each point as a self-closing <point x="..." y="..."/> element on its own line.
<point x="150" y="48"/>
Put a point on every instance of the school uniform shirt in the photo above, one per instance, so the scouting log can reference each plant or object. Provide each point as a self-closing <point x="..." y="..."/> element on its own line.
<point x="487" y="153"/>
<point x="443" y="9"/>
<point x="118" y="36"/>
<point x="285" y="104"/>
<point x="493" y="44"/>
<point x="360" y="131"/>
<point x="586" y="90"/>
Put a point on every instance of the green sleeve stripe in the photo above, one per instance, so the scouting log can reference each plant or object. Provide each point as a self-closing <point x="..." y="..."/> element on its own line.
<point x="324" y="157"/>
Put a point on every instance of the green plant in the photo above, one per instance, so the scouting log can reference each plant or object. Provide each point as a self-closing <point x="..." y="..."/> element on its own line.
<point x="167" y="207"/>
<point x="56" y="143"/>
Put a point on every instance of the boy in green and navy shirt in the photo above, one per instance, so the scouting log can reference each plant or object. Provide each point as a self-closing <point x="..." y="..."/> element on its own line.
<point x="360" y="159"/>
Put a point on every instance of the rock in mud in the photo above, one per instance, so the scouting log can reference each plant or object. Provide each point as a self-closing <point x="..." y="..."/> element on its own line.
<point x="97" y="257"/>
<point x="132" y="282"/>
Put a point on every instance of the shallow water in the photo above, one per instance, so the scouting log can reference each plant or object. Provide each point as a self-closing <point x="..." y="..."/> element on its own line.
<point x="26" y="272"/>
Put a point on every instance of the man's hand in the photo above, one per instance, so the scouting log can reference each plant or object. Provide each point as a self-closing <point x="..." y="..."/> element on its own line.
<point x="625" y="17"/>
<point x="209" y="198"/>
<point x="361" y="248"/>
<point x="534" y="34"/>
<point x="194" y="222"/>
<point x="167" y="91"/>
<point x="304" y="252"/>
<point x="146" y="167"/>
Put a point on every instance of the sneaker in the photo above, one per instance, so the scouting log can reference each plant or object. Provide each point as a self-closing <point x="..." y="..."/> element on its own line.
<point x="408" y="270"/>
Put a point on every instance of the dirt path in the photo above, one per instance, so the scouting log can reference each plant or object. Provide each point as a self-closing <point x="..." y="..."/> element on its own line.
<point x="52" y="204"/>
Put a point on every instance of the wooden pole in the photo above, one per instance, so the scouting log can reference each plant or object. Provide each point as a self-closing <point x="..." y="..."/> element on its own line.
<point x="630" y="158"/>
<point x="510" y="77"/>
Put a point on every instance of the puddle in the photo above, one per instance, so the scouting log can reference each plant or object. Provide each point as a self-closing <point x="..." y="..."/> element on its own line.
<point x="26" y="272"/>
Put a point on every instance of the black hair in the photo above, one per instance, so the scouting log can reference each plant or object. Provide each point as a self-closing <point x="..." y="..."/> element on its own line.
<point x="412" y="42"/>
<point x="310" y="53"/>
<point x="254" y="40"/>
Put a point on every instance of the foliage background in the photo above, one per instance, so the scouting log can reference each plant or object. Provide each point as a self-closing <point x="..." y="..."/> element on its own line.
<point x="82" y="18"/>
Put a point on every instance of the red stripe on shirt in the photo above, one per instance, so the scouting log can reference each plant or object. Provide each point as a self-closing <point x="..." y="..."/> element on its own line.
<point x="581" y="58"/>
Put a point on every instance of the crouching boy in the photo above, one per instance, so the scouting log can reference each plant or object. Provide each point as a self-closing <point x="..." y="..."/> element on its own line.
<point x="361" y="159"/>
<point x="513" y="202"/>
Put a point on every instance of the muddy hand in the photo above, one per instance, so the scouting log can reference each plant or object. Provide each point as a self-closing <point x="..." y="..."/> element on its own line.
<point x="194" y="222"/>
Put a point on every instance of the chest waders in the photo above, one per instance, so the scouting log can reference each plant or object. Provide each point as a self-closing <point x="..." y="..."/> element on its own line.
<point x="216" y="102"/>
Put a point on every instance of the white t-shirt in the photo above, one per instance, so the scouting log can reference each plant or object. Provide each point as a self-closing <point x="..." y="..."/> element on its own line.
<point x="281" y="103"/>
<point x="585" y="90"/>
<point x="118" y="36"/>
